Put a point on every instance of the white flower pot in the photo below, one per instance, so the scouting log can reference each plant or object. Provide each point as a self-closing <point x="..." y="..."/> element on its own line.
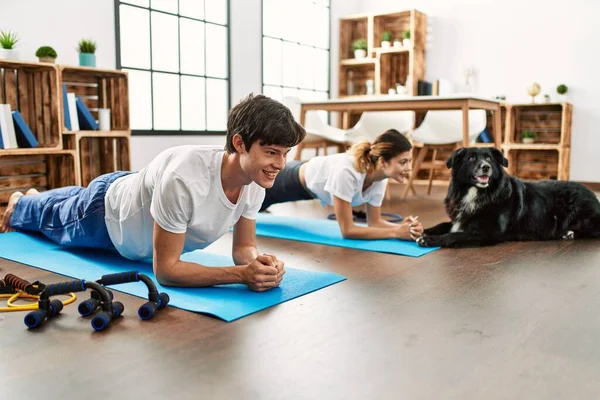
<point x="397" y="44"/>
<point x="50" y="60"/>
<point x="386" y="43"/>
<point x="528" y="140"/>
<point x="360" y="53"/>
<point x="9" y="54"/>
<point x="562" y="98"/>
<point x="406" y="43"/>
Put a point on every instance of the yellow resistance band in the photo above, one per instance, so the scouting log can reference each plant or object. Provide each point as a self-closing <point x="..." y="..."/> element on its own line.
<point x="27" y="307"/>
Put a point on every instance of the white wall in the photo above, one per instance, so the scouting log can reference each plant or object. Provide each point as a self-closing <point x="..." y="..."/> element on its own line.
<point x="512" y="43"/>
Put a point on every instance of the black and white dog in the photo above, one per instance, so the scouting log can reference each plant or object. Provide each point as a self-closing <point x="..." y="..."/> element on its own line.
<point x="487" y="206"/>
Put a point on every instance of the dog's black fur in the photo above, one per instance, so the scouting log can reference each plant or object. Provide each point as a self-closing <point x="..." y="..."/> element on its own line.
<point x="508" y="208"/>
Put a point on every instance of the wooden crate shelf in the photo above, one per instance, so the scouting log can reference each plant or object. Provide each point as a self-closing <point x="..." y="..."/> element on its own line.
<point x="51" y="170"/>
<point x="31" y="89"/>
<point x="360" y="73"/>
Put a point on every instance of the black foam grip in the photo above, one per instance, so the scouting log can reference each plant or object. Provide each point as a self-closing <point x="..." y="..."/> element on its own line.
<point x="65" y="287"/>
<point x="35" y="318"/>
<point x="56" y="307"/>
<point x="101" y="321"/>
<point x="16" y="282"/>
<point x="164" y="300"/>
<point x="118" y="309"/>
<point x="115" y="279"/>
<point x="147" y="310"/>
<point x="88" y="307"/>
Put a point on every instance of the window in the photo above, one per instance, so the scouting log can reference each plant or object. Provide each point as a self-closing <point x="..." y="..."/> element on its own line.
<point x="296" y="49"/>
<point x="177" y="55"/>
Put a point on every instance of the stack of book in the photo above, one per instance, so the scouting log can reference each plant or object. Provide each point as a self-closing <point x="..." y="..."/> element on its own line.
<point x="77" y="115"/>
<point x="14" y="131"/>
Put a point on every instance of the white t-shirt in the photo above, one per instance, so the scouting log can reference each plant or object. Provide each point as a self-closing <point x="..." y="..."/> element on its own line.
<point x="334" y="175"/>
<point x="181" y="190"/>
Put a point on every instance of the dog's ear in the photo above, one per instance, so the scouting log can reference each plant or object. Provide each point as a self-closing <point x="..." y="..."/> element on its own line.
<point x="499" y="157"/>
<point x="455" y="158"/>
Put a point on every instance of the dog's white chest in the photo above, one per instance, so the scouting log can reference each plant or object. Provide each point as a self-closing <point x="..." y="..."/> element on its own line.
<point x="467" y="206"/>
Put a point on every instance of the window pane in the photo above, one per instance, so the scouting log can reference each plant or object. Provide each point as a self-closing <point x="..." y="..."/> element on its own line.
<point x="216" y="104"/>
<point x="288" y="92"/>
<point x="273" y="92"/>
<point x="216" y="11"/>
<point x="192" y="46"/>
<point x="140" y="99"/>
<point x="191" y="8"/>
<point x="165" y="5"/>
<point x="193" y="104"/>
<point x="143" y="3"/>
<point x="321" y="30"/>
<point x="321" y="69"/>
<point x="273" y="18"/>
<point x="272" y="61"/>
<point x="216" y="51"/>
<point x="290" y="64"/>
<point x="306" y="66"/>
<point x="135" y="37"/>
<point x="166" y="101"/>
<point x="165" y="42"/>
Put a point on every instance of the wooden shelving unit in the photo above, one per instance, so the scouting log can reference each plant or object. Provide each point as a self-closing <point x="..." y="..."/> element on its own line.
<point x="63" y="158"/>
<point x="549" y="157"/>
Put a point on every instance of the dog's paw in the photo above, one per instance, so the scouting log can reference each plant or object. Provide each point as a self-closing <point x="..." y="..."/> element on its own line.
<point x="569" y="235"/>
<point x="428" y="241"/>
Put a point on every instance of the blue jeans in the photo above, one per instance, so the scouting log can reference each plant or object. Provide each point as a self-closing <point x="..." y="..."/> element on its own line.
<point x="70" y="216"/>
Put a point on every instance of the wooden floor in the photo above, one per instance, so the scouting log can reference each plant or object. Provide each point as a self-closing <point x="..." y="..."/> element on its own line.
<point x="514" y="321"/>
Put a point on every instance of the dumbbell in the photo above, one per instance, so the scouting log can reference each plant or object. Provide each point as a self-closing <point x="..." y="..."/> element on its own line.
<point x="50" y="308"/>
<point x="156" y="301"/>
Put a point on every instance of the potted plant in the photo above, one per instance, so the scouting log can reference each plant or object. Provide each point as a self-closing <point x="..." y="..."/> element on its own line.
<point x="46" y="54"/>
<point x="398" y="43"/>
<point x="547" y="98"/>
<point x="387" y="37"/>
<point x="8" y="40"/>
<point x="360" y="48"/>
<point x="527" y="136"/>
<point x="406" y="36"/>
<point x="562" y="92"/>
<point x="87" y="50"/>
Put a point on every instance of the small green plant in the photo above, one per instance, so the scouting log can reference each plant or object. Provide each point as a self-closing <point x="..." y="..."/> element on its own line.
<point x="359" y="44"/>
<point x="8" y="40"/>
<point x="86" y="46"/>
<point x="46" y="51"/>
<point x="406" y="34"/>
<point x="562" y="89"/>
<point x="527" y="134"/>
<point x="387" y="36"/>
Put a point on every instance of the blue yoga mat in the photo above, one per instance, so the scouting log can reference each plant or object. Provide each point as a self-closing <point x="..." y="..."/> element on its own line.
<point x="322" y="231"/>
<point x="228" y="302"/>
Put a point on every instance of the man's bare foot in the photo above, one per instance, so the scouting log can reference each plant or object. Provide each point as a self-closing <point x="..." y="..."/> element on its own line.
<point x="12" y="202"/>
<point x="31" y="191"/>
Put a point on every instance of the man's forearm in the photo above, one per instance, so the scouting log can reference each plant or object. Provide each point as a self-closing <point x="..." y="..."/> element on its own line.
<point x="188" y="274"/>
<point x="243" y="255"/>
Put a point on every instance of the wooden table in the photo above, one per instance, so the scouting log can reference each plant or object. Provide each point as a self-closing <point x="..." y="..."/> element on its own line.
<point x="414" y="103"/>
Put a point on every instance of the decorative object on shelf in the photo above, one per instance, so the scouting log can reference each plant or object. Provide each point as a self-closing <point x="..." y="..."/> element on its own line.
<point x="562" y="92"/>
<point x="406" y="35"/>
<point x="46" y="54"/>
<point x="370" y="86"/>
<point x="547" y="98"/>
<point x="527" y="136"/>
<point x="360" y="48"/>
<point x="533" y="90"/>
<point x="397" y="43"/>
<point x="401" y="89"/>
<point x="387" y="37"/>
<point x="104" y="119"/>
<point x="87" y="53"/>
<point x="350" y="83"/>
<point x="469" y="74"/>
<point x="8" y="41"/>
<point x="391" y="91"/>
<point x="500" y="97"/>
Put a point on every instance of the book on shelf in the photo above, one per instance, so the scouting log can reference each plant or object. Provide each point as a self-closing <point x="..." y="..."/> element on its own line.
<point x="71" y="102"/>
<point x="86" y="119"/>
<point x="7" y="128"/>
<point x="66" y="107"/>
<point x="25" y="137"/>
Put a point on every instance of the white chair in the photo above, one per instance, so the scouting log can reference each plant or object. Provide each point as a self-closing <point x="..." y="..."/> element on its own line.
<point x="373" y="123"/>
<point x="438" y="130"/>
<point x="319" y="134"/>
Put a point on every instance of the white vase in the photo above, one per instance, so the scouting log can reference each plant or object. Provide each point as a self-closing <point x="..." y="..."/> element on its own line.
<point x="527" y="140"/>
<point x="9" y="54"/>
<point x="360" y="53"/>
<point x="397" y="44"/>
<point x="562" y="98"/>
<point x="386" y="43"/>
<point x="406" y="43"/>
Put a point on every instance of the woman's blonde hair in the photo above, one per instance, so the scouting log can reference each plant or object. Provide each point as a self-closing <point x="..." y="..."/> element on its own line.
<point x="387" y="146"/>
